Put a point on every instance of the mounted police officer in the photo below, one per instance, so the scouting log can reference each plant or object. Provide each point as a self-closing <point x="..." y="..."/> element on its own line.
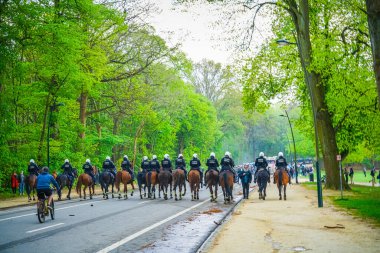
<point x="126" y="165"/>
<point x="154" y="164"/>
<point x="282" y="164"/>
<point x="181" y="164"/>
<point x="68" y="170"/>
<point x="195" y="164"/>
<point x="261" y="164"/>
<point x="166" y="164"/>
<point x="109" y="166"/>
<point x="228" y="163"/>
<point x="145" y="164"/>
<point x="87" y="167"/>
<point x="33" y="168"/>
<point x="212" y="163"/>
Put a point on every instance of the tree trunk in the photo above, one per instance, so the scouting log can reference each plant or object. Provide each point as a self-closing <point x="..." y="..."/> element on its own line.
<point x="115" y="148"/>
<point x="39" y="155"/>
<point x="373" y="15"/>
<point x="137" y="135"/>
<point x="82" y="113"/>
<point x="325" y="130"/>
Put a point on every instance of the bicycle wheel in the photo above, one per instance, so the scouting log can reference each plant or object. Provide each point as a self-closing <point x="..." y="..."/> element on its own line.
<point x="52" y="211"/>
<point x="41" y="211"/>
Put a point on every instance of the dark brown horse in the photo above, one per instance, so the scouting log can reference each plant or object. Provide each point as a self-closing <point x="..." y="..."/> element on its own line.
<point x="85" y="180"/>
<point x="30" y="185"/>
<point x="226" y="181"/>
<point x="165" y="180"/>
<point x="63" y="180"/>
<point x="212" y="181"/>
<point x="125" y="178"/>
<point x="106" y="179"/>
<point x="179" y="180"/>
<point x="151" y="179"/>
<point x="281" y="178"/>
<point x="194" y="182"/>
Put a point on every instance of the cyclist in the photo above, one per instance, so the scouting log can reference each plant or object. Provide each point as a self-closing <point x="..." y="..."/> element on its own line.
<point x="43" y="185"/>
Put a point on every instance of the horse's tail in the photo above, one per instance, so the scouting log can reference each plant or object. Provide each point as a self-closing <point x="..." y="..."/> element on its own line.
<point x="149" y="178"/>
<point x="79" y="184"/>
<point x="280" y="177"/>
<point x="226" y="186"/>
<point x="27" y="186"/>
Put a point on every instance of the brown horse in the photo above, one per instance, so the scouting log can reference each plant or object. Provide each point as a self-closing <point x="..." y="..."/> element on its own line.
<point x="226" y="181"/>
<point x="165" y="180"/>
<point x="125" y="178"/>
<point x="212" y="181"/>
<point x="86" y="180"/>
<point x="179" y="180"/>
<point x="30" y="185"/>
<point x="194" y="182"/>
<point x="151" y="179"/>
<point x="281" y="178"/>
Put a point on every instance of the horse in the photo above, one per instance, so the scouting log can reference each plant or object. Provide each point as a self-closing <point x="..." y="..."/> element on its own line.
<point x="63" y="180"/>
<point x="86" y="180"/>
<point x="212" y="181"/>
<point x="105" y="180"/>
<point x="262" y="181"/>
<point x="141" y="180"/>
<point x="226" y="181"/>
<point x="30" y="185"/>
<point x="194" y="182"/>
<point x="179" y="180"/>
<point x="165" y="180"/>
<point x="125" y="178"/>
<point x="281" y="178"/>
<point x="151" y="179"/>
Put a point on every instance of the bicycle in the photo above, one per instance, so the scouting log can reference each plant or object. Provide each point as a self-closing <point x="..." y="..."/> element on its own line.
<point x="43" y="209"/>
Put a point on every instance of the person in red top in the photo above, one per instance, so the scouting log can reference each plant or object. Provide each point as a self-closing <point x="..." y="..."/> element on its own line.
<point x="14" y="182"/>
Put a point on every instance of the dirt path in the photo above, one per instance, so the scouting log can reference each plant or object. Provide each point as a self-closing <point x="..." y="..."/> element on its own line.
<point x="294" y="225"/>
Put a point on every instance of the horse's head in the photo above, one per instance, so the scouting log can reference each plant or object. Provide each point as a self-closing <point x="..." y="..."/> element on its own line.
<point x="75" y="172"/>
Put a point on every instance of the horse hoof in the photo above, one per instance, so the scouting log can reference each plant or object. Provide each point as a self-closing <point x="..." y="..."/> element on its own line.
<point x="90" y="197"/>
<point x="280" y="198"/>
<point x="69" y="198"/>
<point x="119" y="197"/>
<point x="112" y="196"/>
<point x="176" y="199"/>
<point x="132" y="194"/>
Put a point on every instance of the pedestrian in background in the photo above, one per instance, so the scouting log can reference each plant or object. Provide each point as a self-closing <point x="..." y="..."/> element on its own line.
<point x="373" y="171"/>
<point x="351" y="175"/>
<point x="346" y="175"/>
<point x="365" y="171"/>
<point x="245" y="176"/>
<point x="14" y="182"/>
<point x="21" y="186"/>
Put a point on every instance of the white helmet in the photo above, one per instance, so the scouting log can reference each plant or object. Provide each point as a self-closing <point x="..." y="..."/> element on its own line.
<point x="108" y="158"/>
<point x="88" y="161"/>
<point x="180" y="155"/>
<point x="212" y="154"/>
<point x="31" y="161"/>
<point x="166" y="156"/>
<point x="280" y="154"/>
<point x="228" y="154"/>
<point x="125" y="156"/>
<point x="66" y="160"/>
<point x="154" y="157"/>
<point x="261" y="154"/>
<point x="145" y="158"/>
<point x="195" y="156"/>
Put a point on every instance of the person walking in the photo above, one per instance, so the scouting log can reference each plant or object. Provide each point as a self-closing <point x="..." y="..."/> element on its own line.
<point x="14" y="182"/>
<point x="365" y="171"/>
<point x="346" y="175"/>
<point x="351" y="175"/>
<point x="21" y="186"/>
<point x="373" y="172"/>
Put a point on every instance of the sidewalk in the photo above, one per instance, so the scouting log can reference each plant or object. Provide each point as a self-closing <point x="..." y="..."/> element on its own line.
<point x="294" y="225"/>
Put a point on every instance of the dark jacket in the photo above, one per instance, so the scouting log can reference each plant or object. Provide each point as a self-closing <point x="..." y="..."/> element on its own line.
<point x="261" y="162"/>
<point x="180" y="163"/>
<point x="154" y="165"/>
<point x="44" y="180"/>
<point x="33" y="168"/>
<point x="281" y="162"/>
<point x="212" y="163"/>
<point x="87" y="167"/>
<point x="227" y="163"/>
<point x="166" y="164"/>
<point x="108" y="165"/>
<point x="195" y="163"/>
<point x="126" y="164"/>
<point x="67" y="167"/>
<point x="145" y="165"/>
<point x="245" y="176"/>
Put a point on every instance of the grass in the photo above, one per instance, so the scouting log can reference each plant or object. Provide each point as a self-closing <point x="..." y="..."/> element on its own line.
<point x="361" y="201"/>
<point x="358" y="177"/>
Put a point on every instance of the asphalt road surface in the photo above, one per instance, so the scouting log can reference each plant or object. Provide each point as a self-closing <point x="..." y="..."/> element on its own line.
<point x="113" y="225"/>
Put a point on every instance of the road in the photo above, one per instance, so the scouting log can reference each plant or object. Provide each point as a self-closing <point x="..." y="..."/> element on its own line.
<point x="114" y="225"/>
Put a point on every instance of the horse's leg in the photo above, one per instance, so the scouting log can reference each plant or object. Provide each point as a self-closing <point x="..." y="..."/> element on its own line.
<point x="140" y="191"/>
<point x="285" y="192"/>
<point x="125" y="191"/>
<point x="84" y="192"/>
<point x="279" y="190"/>
<point x="211" y="193"/>
<point x="133" y="188"/>
<point x="34" y="188"/>
<point x="68" y="194"/>
<point x="171" y="190"/>
<point x="91" y="187"/>
<point x="112" y="189"/>
<point x="175" y="192"/>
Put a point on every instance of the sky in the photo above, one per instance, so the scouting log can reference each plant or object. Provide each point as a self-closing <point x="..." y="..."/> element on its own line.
<point x="202" y="31"/>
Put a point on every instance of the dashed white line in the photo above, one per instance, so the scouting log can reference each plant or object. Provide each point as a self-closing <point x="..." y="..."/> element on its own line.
<point x="39" y="229"/>
<point x="142" y="202"/>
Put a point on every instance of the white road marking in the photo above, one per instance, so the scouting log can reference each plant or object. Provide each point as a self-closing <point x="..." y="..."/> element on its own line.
<point x="19" y="216"/>
<point x="143" y="231"/>
<point x="142" y="202"/>
<point x="35" y="230"/>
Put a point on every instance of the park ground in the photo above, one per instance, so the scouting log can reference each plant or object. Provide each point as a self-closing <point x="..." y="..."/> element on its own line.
<point x="298" y="225"/>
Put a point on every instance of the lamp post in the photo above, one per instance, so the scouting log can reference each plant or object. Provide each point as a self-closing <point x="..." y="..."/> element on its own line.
<point x="281" y="43"/>
<point x="294" y="144"/>
<point x="52" y="108"/>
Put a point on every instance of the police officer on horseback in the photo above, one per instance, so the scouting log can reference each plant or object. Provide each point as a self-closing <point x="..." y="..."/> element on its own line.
<point x="181" y="164"/>
<point x="228" y="163"/>
<point x="33" y="168"/>
<point x="109" y="166"/>
<point x="282" y="164"/>
<point x="145" y="164"/>
<point x="154" y="164"/>
<point x="195" y="164"/>
<point x="68" y="170"/>
<point x="212" y="164"/>
<point x="126" y="165"/>
<point x="166" y="164"/>
<point x="87" y="167"/>
<point x="261" y="164"/>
